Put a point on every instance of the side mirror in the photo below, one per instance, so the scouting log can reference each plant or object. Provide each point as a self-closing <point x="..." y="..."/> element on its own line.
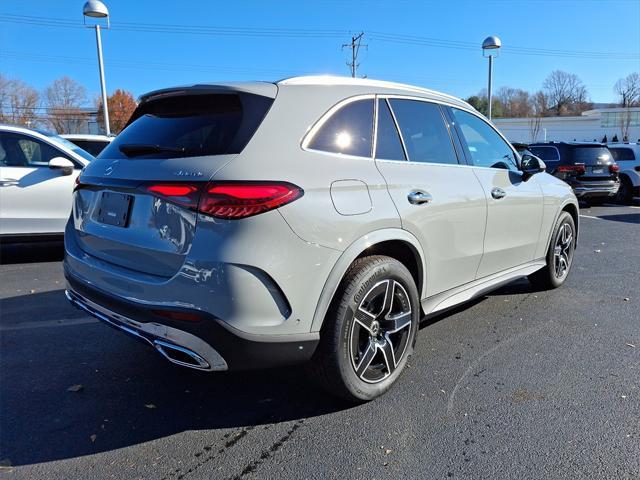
<point x="530" y="165"/>
<point x="63" y="164"/>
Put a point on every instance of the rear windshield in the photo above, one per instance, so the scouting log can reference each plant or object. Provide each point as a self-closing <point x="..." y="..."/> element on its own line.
<point x="190" y="126"/>
<point x="591" y="155"/>
<point x="623" y="154"/>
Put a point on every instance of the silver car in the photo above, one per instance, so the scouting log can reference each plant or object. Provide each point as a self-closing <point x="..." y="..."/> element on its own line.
<point x="316" y="219"/>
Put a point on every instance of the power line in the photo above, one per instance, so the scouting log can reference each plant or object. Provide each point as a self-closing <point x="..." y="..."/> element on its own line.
<point x="355" y="49"/>
<point x="285" y="33"/>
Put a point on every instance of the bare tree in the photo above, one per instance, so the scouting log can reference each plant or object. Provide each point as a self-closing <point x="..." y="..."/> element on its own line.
<point x="515" y="102"/>
<point x="64" y="98"/>
<point x="18" y="102"/>
<point x="565" y="93"/>
<point x="628" y="89"/>
<point x="534" y="128"/>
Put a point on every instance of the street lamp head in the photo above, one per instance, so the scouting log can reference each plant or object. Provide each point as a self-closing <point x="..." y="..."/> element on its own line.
<point x="95" y="9"/>
<point x="491" y="43"/>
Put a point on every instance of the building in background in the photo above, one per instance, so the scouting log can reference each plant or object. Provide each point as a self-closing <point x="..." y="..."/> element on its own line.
<point x="591" y="125"/>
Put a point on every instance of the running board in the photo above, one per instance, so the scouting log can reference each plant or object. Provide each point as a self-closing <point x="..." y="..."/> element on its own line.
<point x="471" y="290"/>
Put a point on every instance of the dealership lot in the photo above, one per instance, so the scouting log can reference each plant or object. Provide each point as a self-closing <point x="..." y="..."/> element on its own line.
<point x="520" y="384"/>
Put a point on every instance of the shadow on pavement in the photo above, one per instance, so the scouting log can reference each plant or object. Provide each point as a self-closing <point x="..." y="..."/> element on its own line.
<point x="625" y="218"/>
<point x="129" y="394"/>
<point x="31" y="252"/>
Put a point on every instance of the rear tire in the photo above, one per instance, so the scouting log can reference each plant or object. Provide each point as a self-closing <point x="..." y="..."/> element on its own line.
<point x="625" y="192"/>
<point x="370" y="330"/>
<point x="559" y="255"/>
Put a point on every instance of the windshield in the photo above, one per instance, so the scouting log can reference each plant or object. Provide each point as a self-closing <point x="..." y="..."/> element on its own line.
<point x="72" y="146"/>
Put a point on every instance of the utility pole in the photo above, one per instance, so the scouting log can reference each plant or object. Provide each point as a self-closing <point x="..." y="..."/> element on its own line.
<point x="355" y="48"/>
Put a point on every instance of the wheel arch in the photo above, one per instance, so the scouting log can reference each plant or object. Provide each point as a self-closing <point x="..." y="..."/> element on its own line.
<point x="395" y="243"/>
<point x="572" y="210"/>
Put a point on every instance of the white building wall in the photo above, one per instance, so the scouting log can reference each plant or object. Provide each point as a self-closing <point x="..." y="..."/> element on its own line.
<point x="587" y="127"/>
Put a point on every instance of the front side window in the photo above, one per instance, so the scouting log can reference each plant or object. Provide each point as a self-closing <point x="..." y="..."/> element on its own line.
<point x="388" y="144"/>
<point x="485" y="146"/>
<point x="23" y="151"/>
<point x="548" y="154"/>
<point x="424" y="132"/>
<point x="348" y="131"/>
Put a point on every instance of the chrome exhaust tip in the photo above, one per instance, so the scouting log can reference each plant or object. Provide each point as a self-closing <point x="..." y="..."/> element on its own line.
<point x="181" y="356"/>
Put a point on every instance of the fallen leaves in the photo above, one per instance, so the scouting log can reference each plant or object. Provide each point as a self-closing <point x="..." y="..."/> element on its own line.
<point x="93" y="438"/>
<point x="150" y="406"/>
<point x="631" y="345"/>
<point x="75" y="388"/>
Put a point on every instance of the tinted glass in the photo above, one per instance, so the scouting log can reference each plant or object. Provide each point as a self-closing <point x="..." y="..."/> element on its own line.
<point x="23" y="151"/>
<point x="191" y="125"/>
<point x="548" y="154"/>
<point x="94" y="147"/>
<point x="388" y="146"/>
<point x="486" y="147"/>
<point x="591" y="155"/>
<point x="348" y="131"/>
<point x="622" y="154"/>
<point x="424" y="132"/>
<point x="72" y="146"/>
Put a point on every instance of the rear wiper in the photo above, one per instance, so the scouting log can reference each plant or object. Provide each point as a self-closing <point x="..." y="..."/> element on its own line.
<point x="135" y="149"/>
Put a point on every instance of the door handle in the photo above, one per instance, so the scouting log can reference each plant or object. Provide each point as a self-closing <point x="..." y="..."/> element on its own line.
<point x="418" y="198"/>
<point x="498" y="193"/>
<point x="8" y="182"/>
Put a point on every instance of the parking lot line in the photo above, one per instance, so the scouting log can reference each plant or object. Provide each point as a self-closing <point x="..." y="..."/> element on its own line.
<point x="589" y="216"/>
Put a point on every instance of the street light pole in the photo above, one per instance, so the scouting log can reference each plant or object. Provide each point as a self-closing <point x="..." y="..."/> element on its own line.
<point x="488" y="46"/>
<point x="105" y="109"/>
<point x="97" y="9"/>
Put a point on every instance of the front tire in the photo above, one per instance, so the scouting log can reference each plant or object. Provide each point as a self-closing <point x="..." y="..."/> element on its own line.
<point x="370" y="330"/>
<point x="559" y="255"/>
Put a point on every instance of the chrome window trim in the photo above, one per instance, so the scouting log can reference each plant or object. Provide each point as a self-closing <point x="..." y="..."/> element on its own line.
<point x="309" y="136"/>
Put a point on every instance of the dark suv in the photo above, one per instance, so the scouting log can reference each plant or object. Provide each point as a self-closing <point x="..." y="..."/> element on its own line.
<point x="588" y="167"/>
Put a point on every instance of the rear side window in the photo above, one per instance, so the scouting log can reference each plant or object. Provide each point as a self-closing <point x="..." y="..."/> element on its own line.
<point x="486" y="147"/>
<point x="388" y="144"/>
<point x="548" y="154"/>
<point x="190" y="126"/>
<point x="348" y="131"/>
<point x="622" y="154"/>
<point x="424" y="132"/>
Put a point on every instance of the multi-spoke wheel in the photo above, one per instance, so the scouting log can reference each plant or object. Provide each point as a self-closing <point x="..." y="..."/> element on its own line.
<point x="559" y="255"/>
<point x="370" y="330"/>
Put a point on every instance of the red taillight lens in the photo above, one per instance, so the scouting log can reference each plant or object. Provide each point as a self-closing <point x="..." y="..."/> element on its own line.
<point x="614" y="168"/>
<point x="180" y="193"/>
<point x="232" y="200"/>
<point x="575" y="169"/>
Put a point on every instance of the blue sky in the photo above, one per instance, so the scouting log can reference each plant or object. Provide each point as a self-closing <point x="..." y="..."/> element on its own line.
<point x="42" y="40"/>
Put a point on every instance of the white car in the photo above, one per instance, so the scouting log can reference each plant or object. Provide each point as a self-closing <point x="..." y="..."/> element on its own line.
<point x="37" y="173"/>
<point x="94" y="144"/>
<point x="627" y="155"/>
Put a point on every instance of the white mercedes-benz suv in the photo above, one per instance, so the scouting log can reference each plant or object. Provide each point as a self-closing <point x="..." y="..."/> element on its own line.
<point x="315" y="219"/>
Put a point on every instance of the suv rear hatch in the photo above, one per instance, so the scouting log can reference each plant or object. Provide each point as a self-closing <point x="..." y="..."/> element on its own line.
<point x="136" y="205"/>
<point x="597" y="161"/>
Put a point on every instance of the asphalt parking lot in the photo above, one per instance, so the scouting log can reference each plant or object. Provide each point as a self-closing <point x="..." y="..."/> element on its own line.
<point x="519" y="384"/>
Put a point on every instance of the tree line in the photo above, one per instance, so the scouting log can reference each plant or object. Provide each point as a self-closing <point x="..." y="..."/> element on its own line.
<point x="61" y="106"/>
<point x="562" y="93"/>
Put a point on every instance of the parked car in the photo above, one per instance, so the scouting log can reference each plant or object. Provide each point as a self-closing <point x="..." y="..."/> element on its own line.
<point x="94" y="144"/>
<point x="588" y="167"/>
<point x="627" y="155"/>
<point x="317" y="219"/>
<point x="37" y="175"/>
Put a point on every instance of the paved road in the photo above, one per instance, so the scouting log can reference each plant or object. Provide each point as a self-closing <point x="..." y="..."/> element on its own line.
<point x="520" y="384"/>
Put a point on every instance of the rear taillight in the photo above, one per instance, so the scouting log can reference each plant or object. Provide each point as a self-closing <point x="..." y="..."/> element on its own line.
<point x="233" y="200"/>
<point x="577" y="169"/>
<point x="181" y="193"/>
<point x="614" y="168"/>
<point x="230" y="200"/>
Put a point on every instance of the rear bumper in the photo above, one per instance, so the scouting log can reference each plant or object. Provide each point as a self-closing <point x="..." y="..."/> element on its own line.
<point x="595" y="189"/>
<point x="205" y="345"/>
